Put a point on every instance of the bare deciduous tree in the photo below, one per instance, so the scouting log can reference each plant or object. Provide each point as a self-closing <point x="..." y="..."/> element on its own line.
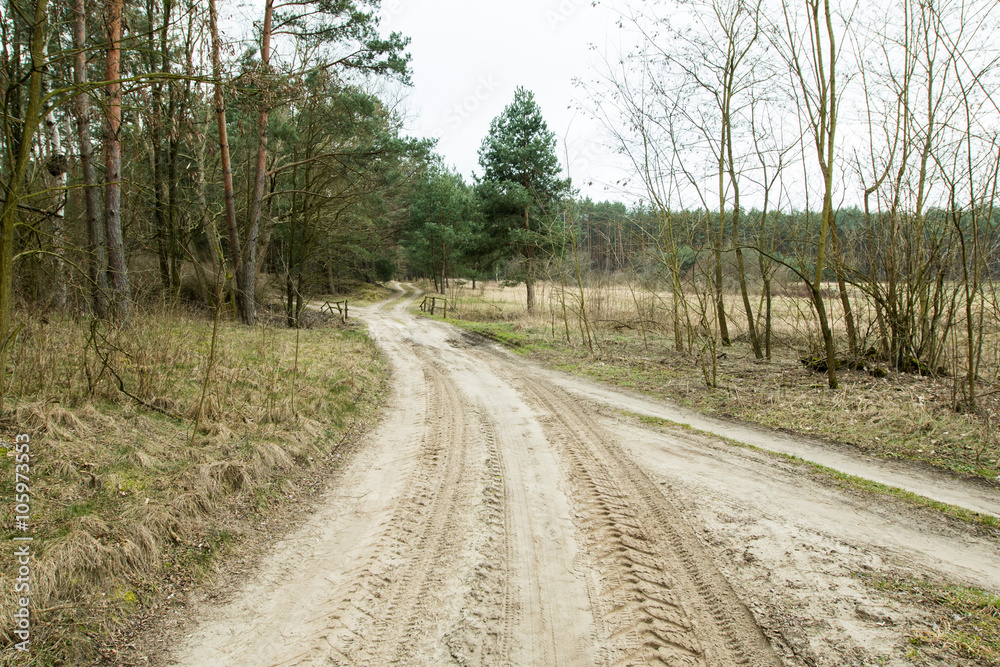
<point x="809" y="45"/>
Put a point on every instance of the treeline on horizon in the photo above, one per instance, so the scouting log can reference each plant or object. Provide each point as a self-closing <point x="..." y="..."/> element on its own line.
<point x="905" y="285"/>
<point x="618" y="237"/>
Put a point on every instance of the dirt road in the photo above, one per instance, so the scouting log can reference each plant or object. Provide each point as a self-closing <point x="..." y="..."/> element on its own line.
<point x="501" y="515"/>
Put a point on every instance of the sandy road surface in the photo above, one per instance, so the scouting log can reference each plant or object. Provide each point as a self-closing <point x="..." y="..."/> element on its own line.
<point x="498" y="518"/>
<point x="978" y="496"/>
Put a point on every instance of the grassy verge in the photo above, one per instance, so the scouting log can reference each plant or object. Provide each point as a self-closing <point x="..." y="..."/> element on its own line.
<point x="965" y="627"/>
<point x="127" y="502"/>
<point x="900" y="416"/>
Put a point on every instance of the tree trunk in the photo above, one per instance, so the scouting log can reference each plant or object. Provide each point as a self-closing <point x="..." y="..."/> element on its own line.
<point x="57" y="170"/>
<point x="220" y="116"/>
<point x="13" y="186"/>
<point x="300" y="303"/>
<point x="529" y="279"/>
<point x="720" y="301"/>
<point x="173" y="117"/>
<point x="289" y="259"/>
<point x="177" y="240"/>
<point x="204" y="216"/>
<point x="290" y="320"/>
<point x="845" y="299"/>
<point x="444" y="255"/>
<point x="828" y="125"/>
<point x="246" y="276"/>
<point x="96" y="235"/>
<point x="767" y="319"/>
<point x="56" y="167"/>
<point x="764" y="264"/>
<point x="678" y="330"/>
<point x="823" y="68"/>
<point x="740" y="266"/>
<point x="121" y="291"/>
<point x="267" y="226"/>
<point x="817" y="286"/>
<point x="156" y="139"/>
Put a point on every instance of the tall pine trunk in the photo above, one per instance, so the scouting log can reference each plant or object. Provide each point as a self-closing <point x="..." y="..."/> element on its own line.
<point x="121" y="292"/>
<point x="246" y="276"/>
<point x="97" y="266"/>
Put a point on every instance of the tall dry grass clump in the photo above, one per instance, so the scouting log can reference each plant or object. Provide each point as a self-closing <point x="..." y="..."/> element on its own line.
<point x="125" y="496"/>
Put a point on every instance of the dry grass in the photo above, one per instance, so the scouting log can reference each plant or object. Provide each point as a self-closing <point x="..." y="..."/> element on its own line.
<point x="899" y="416"/>
<point x="613" y="304"/>
<point x="124" y="499"/>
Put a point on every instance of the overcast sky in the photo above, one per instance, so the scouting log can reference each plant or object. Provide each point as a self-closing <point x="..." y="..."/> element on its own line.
<point x="468" y="57"/>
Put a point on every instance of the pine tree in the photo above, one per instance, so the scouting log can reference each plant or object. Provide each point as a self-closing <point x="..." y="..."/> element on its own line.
<point x="520" y="186"/>
<point x="443" y="226"/>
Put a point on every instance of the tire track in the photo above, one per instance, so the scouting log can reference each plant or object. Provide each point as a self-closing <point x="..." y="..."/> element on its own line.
<point x="483" y="635"/>
<point x="552" y="623"/>
<point x="660" y="598"/>
<point x="496" y="524"/>
<point x="399" y="595"/>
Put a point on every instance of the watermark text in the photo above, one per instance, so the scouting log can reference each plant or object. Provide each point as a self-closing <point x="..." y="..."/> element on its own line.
<point x="22" y="541"/>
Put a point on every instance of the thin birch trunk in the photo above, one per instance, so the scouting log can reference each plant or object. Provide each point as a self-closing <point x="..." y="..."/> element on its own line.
<point x="220" y="115"/>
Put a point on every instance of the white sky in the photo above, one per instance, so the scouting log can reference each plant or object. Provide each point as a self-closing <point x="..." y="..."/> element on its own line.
<point x="468" y="56"/>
